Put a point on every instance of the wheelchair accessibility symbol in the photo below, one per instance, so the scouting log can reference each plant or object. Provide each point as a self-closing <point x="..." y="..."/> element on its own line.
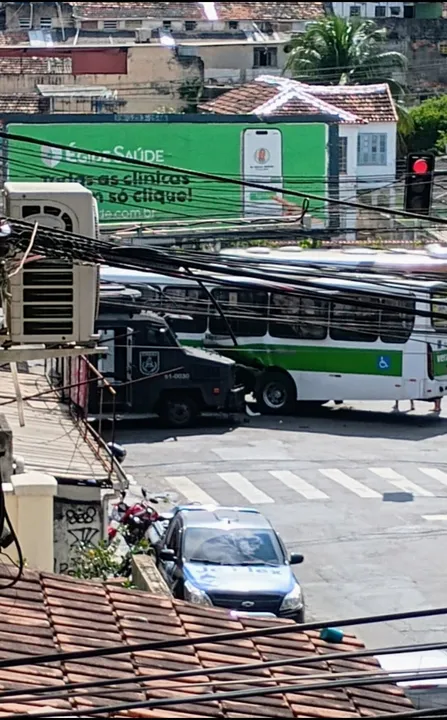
<point x="384" y="363"/>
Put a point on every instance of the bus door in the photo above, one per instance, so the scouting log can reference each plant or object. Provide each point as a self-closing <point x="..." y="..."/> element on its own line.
<point x="116" y="367"/>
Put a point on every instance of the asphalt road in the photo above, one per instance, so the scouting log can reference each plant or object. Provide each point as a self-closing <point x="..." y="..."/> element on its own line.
<point x="360" y="491"/>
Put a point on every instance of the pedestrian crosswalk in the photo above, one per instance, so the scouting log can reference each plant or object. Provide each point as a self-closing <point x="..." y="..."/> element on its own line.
<point x="323" y="485"/>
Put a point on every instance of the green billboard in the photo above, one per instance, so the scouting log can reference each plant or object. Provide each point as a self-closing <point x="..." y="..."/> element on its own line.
<point x="284" y="156"/>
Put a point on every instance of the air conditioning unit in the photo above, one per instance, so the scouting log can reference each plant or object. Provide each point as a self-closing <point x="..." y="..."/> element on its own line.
<point x="53" y="302"/>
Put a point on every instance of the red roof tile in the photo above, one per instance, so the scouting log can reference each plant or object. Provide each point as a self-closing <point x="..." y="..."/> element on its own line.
<point x="162" y="10"/>
<point x="15" y="37"/>
<point x="47" y="613"/>
<point x="351" y="104"/>
<point x="35" y="65"/>
<point x="284" y="11"/>
<point x="280" y="11"/>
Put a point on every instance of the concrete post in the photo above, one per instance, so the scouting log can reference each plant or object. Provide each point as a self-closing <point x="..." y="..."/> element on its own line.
<point x="35" y="493"/>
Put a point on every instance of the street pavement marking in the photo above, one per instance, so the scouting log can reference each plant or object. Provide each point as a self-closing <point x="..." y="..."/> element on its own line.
<point x="294" y="482"/>
<point x="350" y="484"/>
<point x="190" y="490"/>
<point x="401" y="482"/>
<point x="435" y="474"/>
<point x="245" y="488"/>
<point x="435" y="517"/>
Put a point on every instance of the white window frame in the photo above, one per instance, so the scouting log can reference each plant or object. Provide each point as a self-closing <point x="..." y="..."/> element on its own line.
<point x="46" y="23"/>
<point x="110" y="24"/>
<point x="343" y="155"/>
<point x="381" y="14"/>
<point x="269" y="51"/>
<point x="372" y="149"/>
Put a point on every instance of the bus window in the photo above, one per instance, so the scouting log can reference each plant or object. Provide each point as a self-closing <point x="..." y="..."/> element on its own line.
<point x="353" y="323"/>
<point x="439" y="306"/>
<point x="150" y="295"/>
<point x="192" y="301"/>
<point x="304" y="318"/>
<point x="396" y="326"/>
<point x="246" y="312"/>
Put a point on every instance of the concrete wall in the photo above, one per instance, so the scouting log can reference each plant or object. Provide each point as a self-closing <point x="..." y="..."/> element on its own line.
<point x="153" y="81"/>
<point x="80" y="518"/>
<point x="29" y="501"/>
<point x="15" y="12"/>
<point x="235" y="63"/>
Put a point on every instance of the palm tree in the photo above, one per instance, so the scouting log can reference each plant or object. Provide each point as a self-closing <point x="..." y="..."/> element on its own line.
<point x="336" y="51"/>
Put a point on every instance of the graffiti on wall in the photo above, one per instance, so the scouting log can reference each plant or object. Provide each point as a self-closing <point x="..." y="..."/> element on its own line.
<point x="76" y="525"/>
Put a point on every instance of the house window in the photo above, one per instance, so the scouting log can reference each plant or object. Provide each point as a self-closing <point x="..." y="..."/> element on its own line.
<point x="265" y="57"/>
<point x="354" y="11"/>
<point x="46" y="23"/>
<point x="25" y="23"/>
<point x="380" y="11"/>
<point x="110" y="24"/>
<point x="395" y="11"/>
<point x="266" y="27"/>
<point x="190" y="25"/>
<point x="167" y="24"/>
<point x="343" y="155"/>
<point x="233" y="25"/>
<point x="372" y="149"/>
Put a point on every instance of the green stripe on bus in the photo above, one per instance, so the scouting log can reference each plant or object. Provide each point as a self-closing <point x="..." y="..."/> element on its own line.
<point x="352" y="361"/>
<point x="440" y="363"/>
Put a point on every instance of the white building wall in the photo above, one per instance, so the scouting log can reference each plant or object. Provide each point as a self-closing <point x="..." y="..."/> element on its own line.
<point x="361" y="178"/>
<point x="368" y="9"/>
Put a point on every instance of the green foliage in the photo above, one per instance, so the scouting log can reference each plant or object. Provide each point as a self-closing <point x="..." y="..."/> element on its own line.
<point x="430" y="126"/>
<point x="337" y="51"/>
<point x="102" y="561"/>
<point x="98" y="562"/>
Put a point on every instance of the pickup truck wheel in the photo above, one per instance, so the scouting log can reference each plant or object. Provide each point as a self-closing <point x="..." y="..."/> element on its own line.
<point x="178" y="411"/>
<point x="276" y="394"/>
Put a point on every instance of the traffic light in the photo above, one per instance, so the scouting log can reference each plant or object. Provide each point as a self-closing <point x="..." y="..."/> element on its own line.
<point x="419" y="182"/>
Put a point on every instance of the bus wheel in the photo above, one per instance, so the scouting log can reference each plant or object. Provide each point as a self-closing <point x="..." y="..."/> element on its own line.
<point x="179" y="411"/>
<point x="276" y="393"/>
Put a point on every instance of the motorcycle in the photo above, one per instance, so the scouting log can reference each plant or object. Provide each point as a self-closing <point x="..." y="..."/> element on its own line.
<point x="135" y="520"/>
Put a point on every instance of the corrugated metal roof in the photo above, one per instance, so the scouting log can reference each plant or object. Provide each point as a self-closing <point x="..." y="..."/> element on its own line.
<point x="50" y="442"/>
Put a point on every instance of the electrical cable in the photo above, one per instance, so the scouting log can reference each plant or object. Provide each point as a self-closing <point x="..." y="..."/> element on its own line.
<point x="234" y="695"/>
<point x="218" y="178"/>
<point x="274" y="631"/>
<point x="56" y="691"/>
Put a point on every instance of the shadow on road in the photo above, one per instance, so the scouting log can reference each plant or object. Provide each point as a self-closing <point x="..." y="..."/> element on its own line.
<point x="346" y="421"/>
<point x="149" y="431"/>
<point x="326" y="420"/>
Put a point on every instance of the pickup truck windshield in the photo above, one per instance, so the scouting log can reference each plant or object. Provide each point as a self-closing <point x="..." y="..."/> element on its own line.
<point x="223" y="546"/>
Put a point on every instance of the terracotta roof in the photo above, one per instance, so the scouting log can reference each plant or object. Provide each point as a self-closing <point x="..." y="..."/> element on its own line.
<point x="49" y="613"/>
<point x="34" y="104"/>
<point x="35" y="65"/>
<point x="162" y="10"/>
<point x="15" y="37"/>
<point x="354" y="104"/>
<point x="193" y="10"/>
<point x="270" y="11"/>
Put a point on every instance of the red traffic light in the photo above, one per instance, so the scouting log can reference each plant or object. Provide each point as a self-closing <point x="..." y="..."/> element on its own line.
<point x="420" y="167"/>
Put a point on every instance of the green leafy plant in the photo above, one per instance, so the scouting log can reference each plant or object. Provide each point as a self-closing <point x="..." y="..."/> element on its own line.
<point x="338" y="51"/>
<point x="429" y="126"/>
<point x="99" y="562"/>
<point x="103" y="561"/>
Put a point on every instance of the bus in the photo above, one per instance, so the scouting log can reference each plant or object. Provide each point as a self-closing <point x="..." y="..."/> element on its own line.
<point x="315" y="347"/>
<point x="432" y="259"/>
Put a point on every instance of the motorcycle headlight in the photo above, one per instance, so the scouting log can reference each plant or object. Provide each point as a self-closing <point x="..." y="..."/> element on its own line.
<point x="195" y="595"/>
<point x="293" y="600"/>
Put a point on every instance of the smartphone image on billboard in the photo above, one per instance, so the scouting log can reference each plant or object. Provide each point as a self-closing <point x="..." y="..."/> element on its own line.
<point x="262" y="162"/>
